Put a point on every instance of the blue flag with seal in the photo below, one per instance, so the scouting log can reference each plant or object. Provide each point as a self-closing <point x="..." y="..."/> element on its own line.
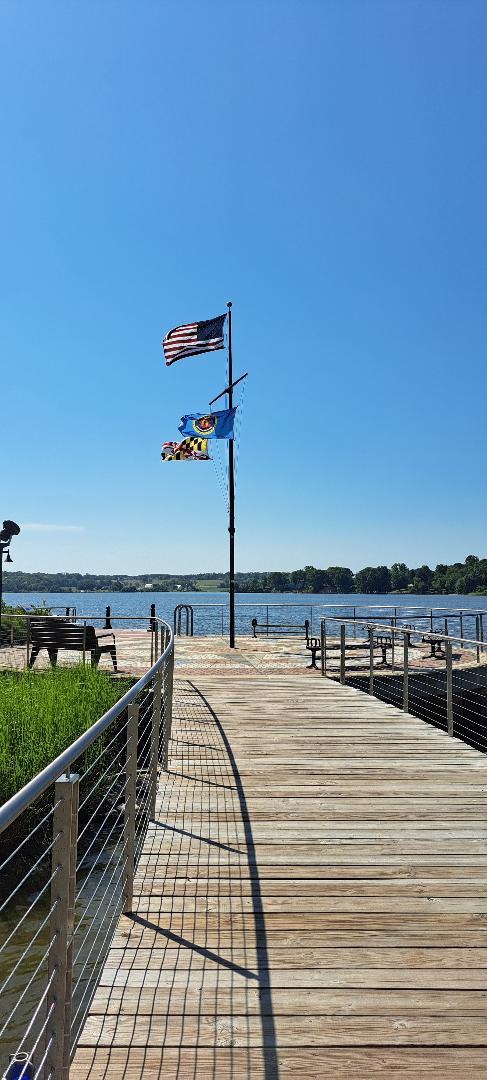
<point x="215" y="425"/>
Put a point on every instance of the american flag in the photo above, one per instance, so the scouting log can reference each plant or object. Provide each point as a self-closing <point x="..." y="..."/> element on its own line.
<point x="196" y="337"/>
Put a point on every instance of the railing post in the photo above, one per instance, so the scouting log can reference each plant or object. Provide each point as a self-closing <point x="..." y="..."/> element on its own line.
<point x="354" y="623"/>
<point x="477" y="636"/>
<point x="405" y="683"/>
<point x="461" y="627"/>
<point x="323" y="647"/>
<point x="481" y="631"/>
<point x="371" y="661"/>
<point x="27" y="644"/>
<point x="167" y="721"/>
<point x="129" y="815"/>
<point x="156" y="649"/>
<point x="63" y="887"/>
<point x="84" y="641"/>
<point x="154" y="749"/>
<point x="342" y="653"/>
<point x="449" y="687"/>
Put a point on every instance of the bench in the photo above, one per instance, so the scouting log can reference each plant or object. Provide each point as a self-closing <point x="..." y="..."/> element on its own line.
<point x="379" y="641"/>
<point x="408" y="628"/>
<point x="54" y="634"/>
<point x="435" y="644"/>
<point x="313" y="644"/>
<point x="280" y="628"/>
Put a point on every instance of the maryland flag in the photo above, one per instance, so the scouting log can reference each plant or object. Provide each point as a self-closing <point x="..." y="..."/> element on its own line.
<point x="192" y="449"/>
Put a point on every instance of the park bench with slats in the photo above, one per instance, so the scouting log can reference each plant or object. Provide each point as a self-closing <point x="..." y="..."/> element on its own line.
<point x="293" y="629"/>
<point x="54" y="634"/>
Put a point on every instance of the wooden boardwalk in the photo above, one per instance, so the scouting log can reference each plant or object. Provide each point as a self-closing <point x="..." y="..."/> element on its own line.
<point x="311" y="901"/>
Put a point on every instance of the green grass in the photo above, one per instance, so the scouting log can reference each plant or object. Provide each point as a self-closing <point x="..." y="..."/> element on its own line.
<point x="208" y="584"/>
<point x="42" y="713"/>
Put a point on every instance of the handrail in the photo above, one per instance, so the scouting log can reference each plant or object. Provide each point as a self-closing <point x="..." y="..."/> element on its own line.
<point x="445" y="688"/>
<point x="71" y="874"/>
<point x="35" y="787"/>
<point x="406" y="630"/>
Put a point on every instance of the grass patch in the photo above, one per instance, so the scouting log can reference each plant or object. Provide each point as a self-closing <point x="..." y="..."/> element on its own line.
<point x="43" y="712"/>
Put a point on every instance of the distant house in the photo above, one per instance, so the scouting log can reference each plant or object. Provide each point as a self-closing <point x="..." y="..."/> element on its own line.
<point x="148" y="585"/>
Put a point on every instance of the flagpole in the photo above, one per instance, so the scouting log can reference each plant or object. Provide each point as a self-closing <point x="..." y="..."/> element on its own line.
<point x="231" y="487"/>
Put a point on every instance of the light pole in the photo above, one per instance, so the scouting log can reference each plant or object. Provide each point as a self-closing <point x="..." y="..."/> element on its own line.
<point x="10" y="528"/>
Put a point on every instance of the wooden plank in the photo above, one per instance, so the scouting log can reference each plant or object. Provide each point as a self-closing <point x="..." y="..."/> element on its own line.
<point x="249" y="1030"/>
<point x="245" y="1000"/>
<point x="223" y="1063"/>
<point x="216" y="978"/>
<point x="312" y="899"/>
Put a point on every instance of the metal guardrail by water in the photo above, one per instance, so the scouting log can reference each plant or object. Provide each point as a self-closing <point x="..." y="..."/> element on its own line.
<point x="437" y="676"/>
<point x="215" y="615"/>
<point x="71" y="839"/>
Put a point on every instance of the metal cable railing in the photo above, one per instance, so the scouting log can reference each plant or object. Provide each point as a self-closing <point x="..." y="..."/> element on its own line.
<point x="65" y="883"/>
<point x="437" y="676"/>
<point x="210" y="618"/>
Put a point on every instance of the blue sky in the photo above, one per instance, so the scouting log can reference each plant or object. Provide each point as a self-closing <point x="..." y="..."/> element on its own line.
<point x="323" y="165"/>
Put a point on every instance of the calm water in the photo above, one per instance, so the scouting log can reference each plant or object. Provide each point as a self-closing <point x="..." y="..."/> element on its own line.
<point x="211" y="609"/>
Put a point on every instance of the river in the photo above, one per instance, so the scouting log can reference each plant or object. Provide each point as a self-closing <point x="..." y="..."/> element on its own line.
<point x="211" y="609"/>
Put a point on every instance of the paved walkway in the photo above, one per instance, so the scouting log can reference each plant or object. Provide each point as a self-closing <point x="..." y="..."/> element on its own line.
<point x="310" y="902"/>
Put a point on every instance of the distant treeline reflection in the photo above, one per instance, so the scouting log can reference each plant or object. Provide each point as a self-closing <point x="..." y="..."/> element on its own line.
<point x="467" y="577"/>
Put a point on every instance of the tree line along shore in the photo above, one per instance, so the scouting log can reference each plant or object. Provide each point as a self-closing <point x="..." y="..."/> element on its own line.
<point x="463" y="578"/>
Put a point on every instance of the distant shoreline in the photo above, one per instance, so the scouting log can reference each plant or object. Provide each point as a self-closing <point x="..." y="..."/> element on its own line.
<point x="464" y="579"/>
<point x="239" y="592"/>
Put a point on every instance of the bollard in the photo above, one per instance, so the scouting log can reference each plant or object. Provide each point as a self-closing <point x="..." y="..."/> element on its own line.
<point x="108" y="625"/>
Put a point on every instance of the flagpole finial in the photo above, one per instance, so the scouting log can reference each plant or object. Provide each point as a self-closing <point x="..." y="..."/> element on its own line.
<point x="229" y="304"/>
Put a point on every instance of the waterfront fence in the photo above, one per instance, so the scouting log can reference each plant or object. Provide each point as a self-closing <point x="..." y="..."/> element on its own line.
<point x="69" y="846"/>
<point x="207" y="618"/>
<point x="435" y="675"/>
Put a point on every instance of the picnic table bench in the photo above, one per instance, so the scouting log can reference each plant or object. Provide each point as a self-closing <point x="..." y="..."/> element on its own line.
<point x="382" y="641"/>
<point x="54" y="634"/>
<point x="435" y="643"/>
<point x="313" y="644"/>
